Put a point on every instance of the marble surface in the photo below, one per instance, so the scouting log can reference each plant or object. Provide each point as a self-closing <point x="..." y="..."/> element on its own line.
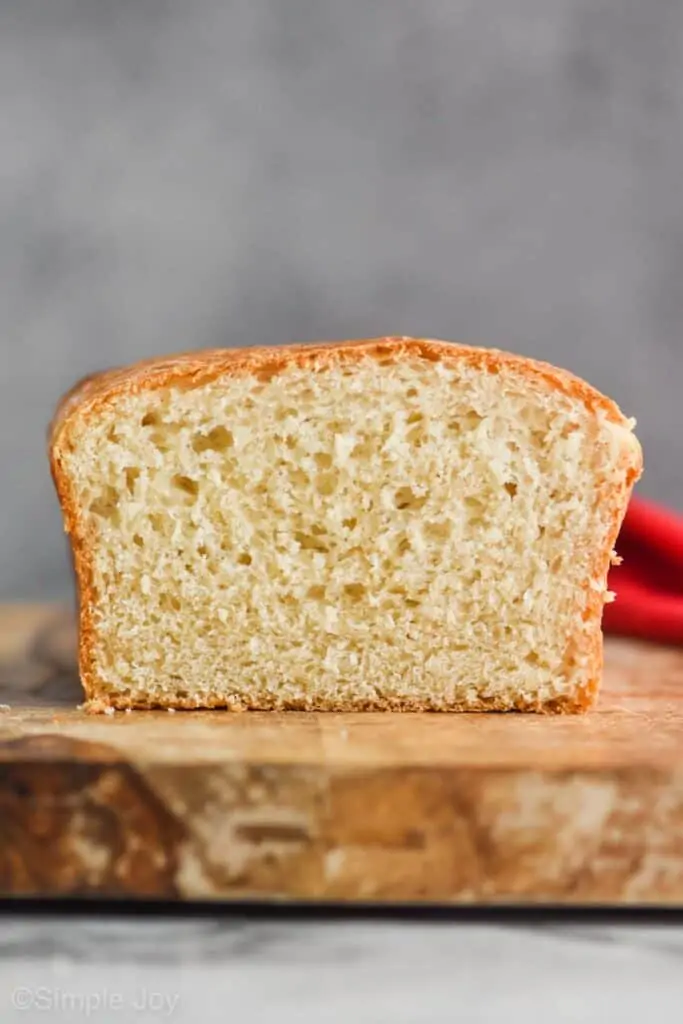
<point x="232" y="967"/>
<point x="179" y="174"/>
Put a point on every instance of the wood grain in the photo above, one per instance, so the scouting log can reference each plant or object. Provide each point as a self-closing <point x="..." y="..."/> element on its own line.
<point x="364" y="807"/>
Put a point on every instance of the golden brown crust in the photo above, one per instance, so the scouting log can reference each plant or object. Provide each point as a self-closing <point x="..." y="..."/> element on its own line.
<point x="587" y="696"/>
<point x="559" y="705"/>
<point x="192" y="369"/>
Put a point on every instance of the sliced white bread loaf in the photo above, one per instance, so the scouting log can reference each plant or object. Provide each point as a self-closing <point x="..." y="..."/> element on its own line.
<point x="387" y="524"/>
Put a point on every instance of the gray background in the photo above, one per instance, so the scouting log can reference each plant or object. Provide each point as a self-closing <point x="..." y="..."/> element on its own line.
<point x="183" y="173"/>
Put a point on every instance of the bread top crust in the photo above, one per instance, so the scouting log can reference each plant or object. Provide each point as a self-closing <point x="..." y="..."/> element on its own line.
<point x="190" y="369"/>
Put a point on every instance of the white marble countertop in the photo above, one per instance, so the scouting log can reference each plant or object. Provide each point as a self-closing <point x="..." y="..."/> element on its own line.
<point x="232" y="967"/>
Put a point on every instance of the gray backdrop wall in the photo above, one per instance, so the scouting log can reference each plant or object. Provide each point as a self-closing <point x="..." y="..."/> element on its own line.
<point x="184" y="173"/>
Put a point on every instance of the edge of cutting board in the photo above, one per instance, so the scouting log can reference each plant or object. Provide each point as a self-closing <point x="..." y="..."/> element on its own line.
<point x="374" y="808"/>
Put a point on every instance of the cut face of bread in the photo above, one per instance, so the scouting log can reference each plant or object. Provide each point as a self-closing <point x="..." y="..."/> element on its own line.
<point x="392" y="524"/>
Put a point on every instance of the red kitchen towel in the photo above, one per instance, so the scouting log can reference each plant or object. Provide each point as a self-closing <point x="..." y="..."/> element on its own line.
<point x="649" y="583"/>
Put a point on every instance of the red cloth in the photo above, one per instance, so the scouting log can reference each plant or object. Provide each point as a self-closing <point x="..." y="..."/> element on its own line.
<point x="649" y="584"/>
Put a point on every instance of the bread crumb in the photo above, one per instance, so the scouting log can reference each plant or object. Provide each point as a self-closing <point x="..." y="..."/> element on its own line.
<point x="94" y="707"/>
<point x="171" y="711"/>
<point x="5" y="707"/>
<point x="129" y="711"/>
<point x="110" y="711"/>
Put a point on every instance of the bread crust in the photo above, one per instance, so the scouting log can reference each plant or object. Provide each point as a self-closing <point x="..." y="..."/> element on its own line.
<point x="91" y="395"/>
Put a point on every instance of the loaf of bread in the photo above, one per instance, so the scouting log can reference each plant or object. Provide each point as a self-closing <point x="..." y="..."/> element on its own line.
<point x="394" y="524"/>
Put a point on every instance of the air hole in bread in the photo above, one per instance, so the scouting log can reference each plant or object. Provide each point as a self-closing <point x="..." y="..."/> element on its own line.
<point x="186" y="484"/>
<point x="106" y="505"/>
<point x="407" y="498"/>
<point x="132" y="475"/>
<point x="326" y="483"/>
<point x="219" y="439"/>
<point x="309" y="541"/>
<point x="438" y="531"/>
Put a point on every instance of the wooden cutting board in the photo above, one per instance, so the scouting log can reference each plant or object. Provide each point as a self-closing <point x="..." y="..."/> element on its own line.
<point x="360" y="807"/>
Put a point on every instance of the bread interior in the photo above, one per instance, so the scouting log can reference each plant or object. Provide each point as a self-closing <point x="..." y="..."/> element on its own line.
<point x="380" y="533"/>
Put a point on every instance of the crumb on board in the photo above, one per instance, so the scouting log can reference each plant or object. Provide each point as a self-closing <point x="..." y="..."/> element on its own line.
<point x="171" y="711"/>
<point x="94" y="707"/>
<point x="5" y="707"/>
<point x="110" y="711"/>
